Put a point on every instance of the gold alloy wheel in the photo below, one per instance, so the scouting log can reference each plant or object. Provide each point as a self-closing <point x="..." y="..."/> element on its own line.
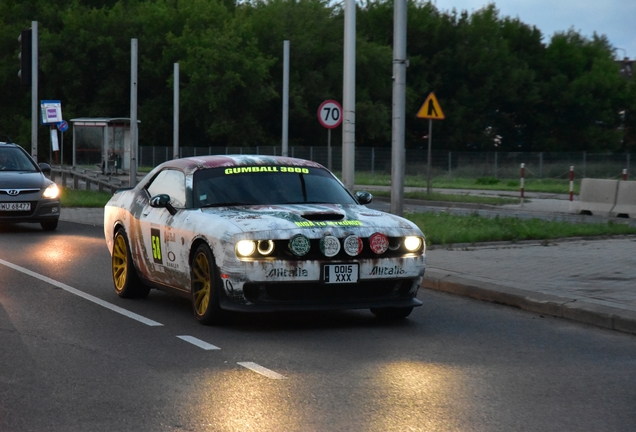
<point x="202" y="281"/>
<point x="120" y="262"/>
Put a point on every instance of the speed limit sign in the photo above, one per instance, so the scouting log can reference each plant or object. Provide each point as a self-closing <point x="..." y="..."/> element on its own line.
<point x="330" y="114"/>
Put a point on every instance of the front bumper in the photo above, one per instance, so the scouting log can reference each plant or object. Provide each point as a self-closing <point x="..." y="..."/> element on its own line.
<point x="284" y="285"/>
<point x="41" y="211"/>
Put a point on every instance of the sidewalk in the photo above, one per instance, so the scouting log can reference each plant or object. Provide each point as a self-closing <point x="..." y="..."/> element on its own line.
<point x="591" y="281"/>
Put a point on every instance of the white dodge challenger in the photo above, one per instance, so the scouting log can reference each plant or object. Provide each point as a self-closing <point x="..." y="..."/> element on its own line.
<point x="261" y="233"/>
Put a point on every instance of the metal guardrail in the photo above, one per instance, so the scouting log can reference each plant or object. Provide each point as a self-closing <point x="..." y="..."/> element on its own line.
<point x="86" y="179"/>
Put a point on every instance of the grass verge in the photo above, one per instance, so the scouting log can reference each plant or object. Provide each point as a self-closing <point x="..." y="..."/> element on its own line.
<point x="446" y="228"/>
<point x="463" y="198"/>
<point x="83" y="198"/>
<point x="483" y="183"/>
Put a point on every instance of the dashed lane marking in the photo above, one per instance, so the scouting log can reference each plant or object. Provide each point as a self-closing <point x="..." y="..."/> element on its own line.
<point x="198" y="342"/>
<point x="82" y="294"/>
<point x="261" y="370"/>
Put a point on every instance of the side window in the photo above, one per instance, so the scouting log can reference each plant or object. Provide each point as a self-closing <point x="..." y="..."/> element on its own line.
<point x="169" y="182"/>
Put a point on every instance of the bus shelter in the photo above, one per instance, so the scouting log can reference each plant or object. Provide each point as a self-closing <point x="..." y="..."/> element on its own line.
<point x="102" y="142"/>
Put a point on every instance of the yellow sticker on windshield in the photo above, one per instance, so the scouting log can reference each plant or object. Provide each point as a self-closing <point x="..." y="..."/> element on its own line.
<point x="259" y="169"/>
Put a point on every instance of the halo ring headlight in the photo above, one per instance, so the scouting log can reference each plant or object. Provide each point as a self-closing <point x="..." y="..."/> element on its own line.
<point x="265" y="247"/>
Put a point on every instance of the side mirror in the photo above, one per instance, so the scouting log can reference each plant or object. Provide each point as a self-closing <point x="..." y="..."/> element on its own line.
<point x="163" y="201"/>
<point x="364" y="197"/>
<point x="46" y="168"/>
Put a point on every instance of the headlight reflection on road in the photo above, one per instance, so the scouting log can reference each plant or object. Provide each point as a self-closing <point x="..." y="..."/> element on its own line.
<point x="56" y="249"/>
<point x="241" y="400"/>
<point x="418" y="396"/>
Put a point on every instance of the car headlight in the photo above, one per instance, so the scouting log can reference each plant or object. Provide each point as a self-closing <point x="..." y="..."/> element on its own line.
<point x="245" y="248"/>
<point x="265" y="247"/>
<point x="412" y="243"/>
<point x="51" y="192"/>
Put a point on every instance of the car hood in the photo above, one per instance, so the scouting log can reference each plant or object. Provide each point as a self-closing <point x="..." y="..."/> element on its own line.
<point x="22" y="180"/>
<point x="316" y="217"/>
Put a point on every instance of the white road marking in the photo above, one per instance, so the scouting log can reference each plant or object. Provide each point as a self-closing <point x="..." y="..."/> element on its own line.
<point x="82" y="294"/>
<point x="198" y="342"/>
<point x="261" y="370"/>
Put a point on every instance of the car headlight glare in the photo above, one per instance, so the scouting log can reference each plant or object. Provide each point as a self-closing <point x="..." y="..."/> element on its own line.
<point x="412" y="243"/>
<point x="245" y="248"/>
<point x="51" y="192"/>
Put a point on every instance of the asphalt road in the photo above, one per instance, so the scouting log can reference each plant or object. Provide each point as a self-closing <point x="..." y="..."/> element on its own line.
<point x="75" y="357"/>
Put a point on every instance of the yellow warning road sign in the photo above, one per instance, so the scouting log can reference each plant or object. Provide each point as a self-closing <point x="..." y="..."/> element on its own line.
<point x="431" y="109"/>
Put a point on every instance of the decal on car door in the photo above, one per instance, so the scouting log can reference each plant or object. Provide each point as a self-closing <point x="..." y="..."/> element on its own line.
<point x="155" y="238"/>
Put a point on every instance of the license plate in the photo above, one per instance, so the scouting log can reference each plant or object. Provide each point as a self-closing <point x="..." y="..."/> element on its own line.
<point x="15" y="206"/>
<point x="340" y="273"/>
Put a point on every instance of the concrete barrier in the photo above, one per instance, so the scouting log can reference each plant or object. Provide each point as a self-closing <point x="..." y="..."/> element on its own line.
<point x="597" y="196"/>
<point x="625" y="200"/>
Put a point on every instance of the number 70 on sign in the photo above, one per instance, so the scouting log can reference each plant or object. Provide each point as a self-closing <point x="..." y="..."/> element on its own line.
<point x="330" y="114"/>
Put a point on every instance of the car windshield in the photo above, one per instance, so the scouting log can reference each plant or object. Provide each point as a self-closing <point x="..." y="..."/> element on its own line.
<point x="14" y="159"/>
<point x="261" y="185"/>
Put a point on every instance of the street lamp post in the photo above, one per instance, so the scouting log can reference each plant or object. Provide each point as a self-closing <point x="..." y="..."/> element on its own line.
<point x="622" y="114"/>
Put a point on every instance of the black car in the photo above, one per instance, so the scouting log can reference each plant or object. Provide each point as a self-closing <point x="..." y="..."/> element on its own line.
<point x="26" y="195"/>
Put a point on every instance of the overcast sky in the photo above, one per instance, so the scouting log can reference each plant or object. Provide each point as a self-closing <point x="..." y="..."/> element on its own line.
<point x="615" y="19"/>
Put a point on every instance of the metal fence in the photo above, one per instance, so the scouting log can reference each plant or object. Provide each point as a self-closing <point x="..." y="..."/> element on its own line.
<point x="501" y="165"/>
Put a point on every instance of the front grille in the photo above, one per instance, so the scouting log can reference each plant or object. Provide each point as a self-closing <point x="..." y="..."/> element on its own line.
<point x="316" y="293"/>
<point x="20" y="191"/>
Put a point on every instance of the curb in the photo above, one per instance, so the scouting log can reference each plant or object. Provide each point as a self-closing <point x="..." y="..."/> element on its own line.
<point x="547" y="304"/>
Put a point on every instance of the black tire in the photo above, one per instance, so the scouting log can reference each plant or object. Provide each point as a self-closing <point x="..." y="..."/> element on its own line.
<point x="392" y="313"/>
<point x="50" y="225"/>
<point x="205" y="288"/>
<point x="127" y="282"/>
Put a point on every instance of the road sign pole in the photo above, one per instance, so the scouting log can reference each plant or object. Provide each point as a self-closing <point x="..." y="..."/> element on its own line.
<point x="432" y="111"/>
<point x="329" y="116"/>
<point x="428" y="157"/>
<point x="329" y="149"/>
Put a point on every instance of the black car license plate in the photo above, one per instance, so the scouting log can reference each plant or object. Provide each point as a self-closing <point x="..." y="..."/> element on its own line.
<point x="340" y="273"/>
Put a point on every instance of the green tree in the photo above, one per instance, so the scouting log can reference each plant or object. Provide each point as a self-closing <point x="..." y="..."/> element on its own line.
<point x="581" y="91"/>
<point x="493" y="75"/>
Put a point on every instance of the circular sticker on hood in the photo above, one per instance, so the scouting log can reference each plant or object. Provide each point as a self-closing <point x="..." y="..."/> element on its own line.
<point x="329" y="246"/>
<point x="299" y="245"/>
<point x="353" y="245"/>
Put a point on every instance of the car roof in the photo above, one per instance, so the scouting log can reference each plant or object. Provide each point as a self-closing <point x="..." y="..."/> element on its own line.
<point x="196" y="163"/>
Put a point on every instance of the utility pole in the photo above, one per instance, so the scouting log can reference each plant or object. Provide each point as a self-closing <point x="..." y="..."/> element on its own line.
<point x="133" y="113"/>
<point x="28" y="74"/>
<point x="349" y="97"/>
<point x="400" y="63"/>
